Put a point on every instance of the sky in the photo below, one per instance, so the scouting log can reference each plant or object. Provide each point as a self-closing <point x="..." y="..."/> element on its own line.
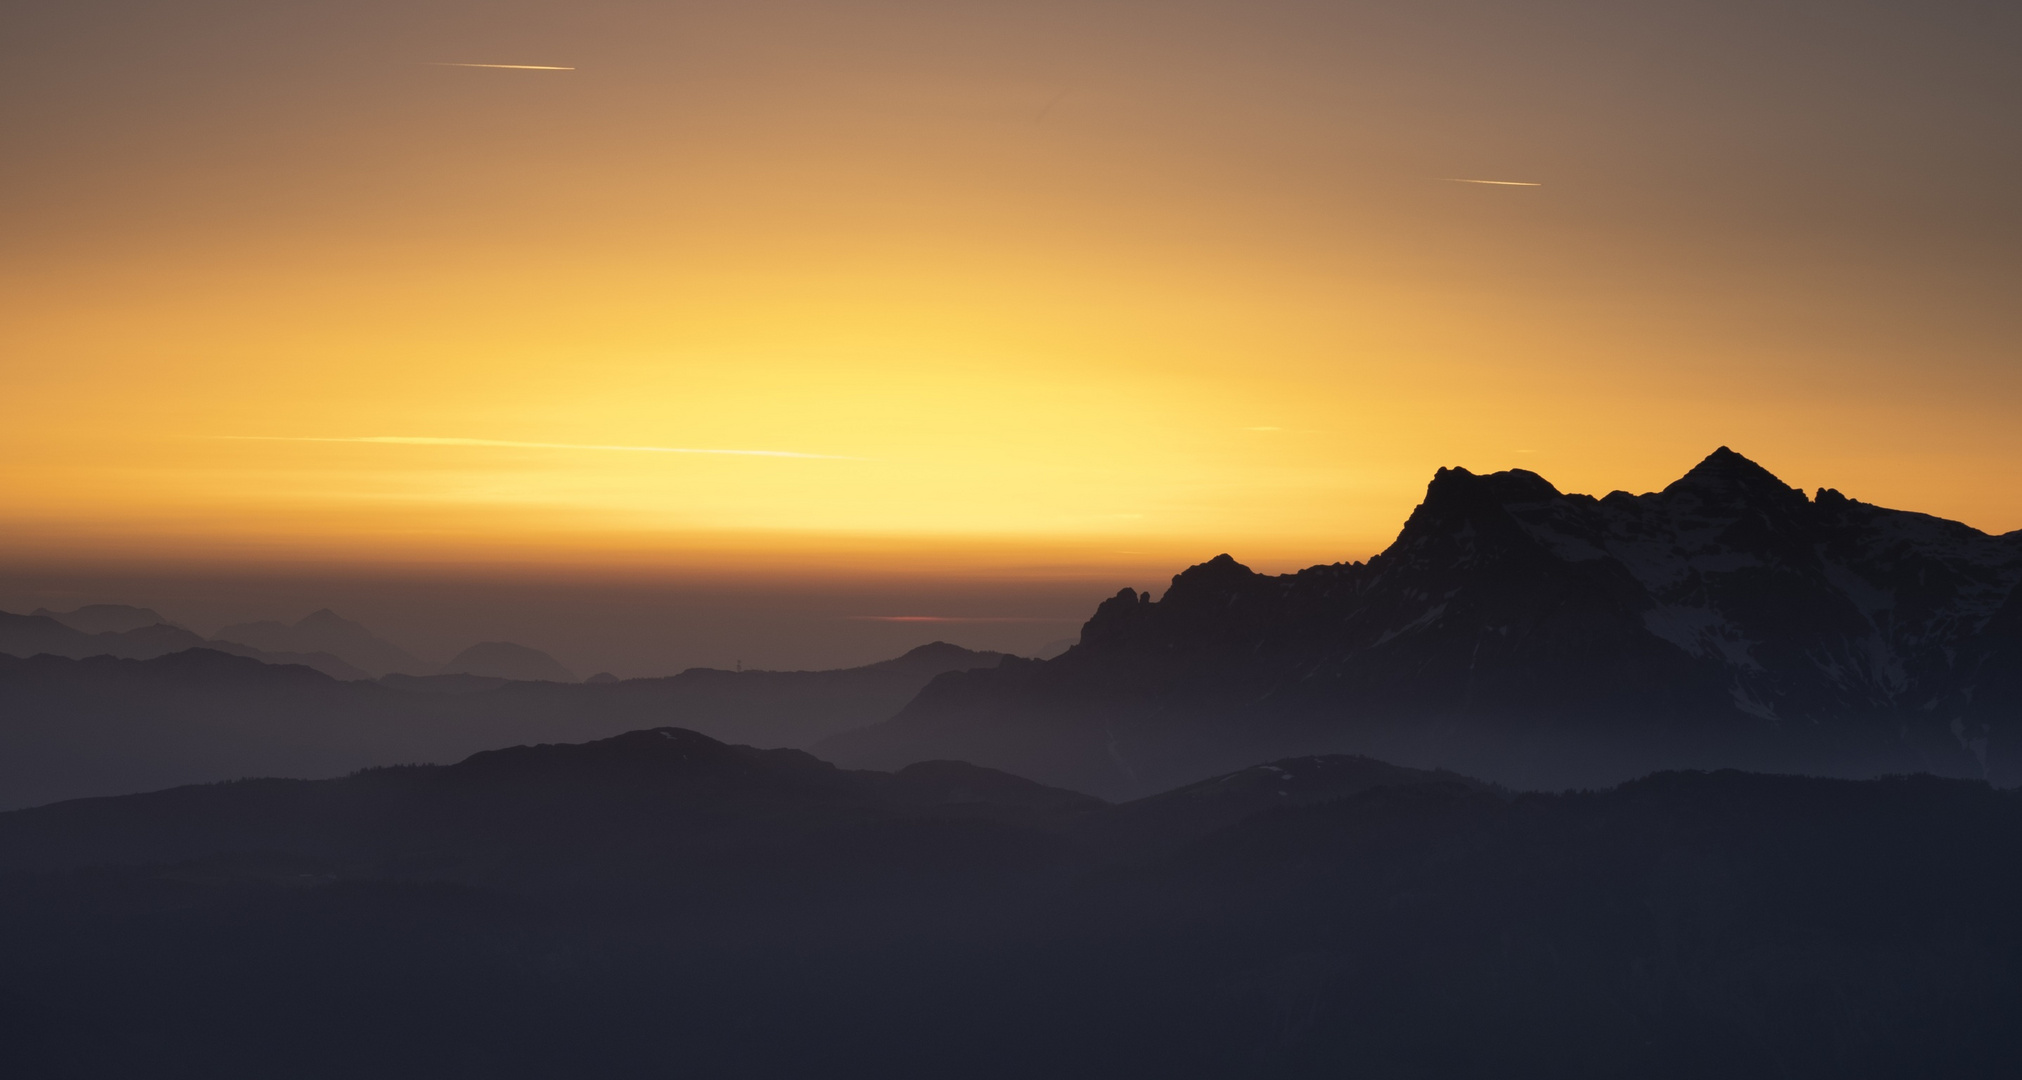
<point x="973" y="292"/>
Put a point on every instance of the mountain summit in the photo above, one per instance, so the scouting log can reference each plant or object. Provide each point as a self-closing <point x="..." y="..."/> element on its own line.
<point x="1536" y="638"/>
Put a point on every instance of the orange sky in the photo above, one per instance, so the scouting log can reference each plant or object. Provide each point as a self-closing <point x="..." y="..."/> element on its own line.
<point x="1036" y="285"/>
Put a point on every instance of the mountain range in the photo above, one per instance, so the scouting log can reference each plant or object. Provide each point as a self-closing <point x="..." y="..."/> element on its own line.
<point x="1076" y="867"/>
<point x="325" y="631"/>
<point x="660" y="903"/>
<point x="107" y="618"/>
<point x="60" y="634"/>
<point x="109" y="725"/>
<point x="1535" y="638"/>
<point x="1530" y="637"/>
<point x="323" y="640"/>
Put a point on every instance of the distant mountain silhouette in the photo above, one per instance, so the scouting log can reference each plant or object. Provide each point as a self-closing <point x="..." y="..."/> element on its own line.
<point x="1535" y="638"/>
<point x="106" y="618"/>
<point x="505" y="660"/>
<point x="651" y="798"/>
<point x="103" y="726"/>
<point x="33" y="635"/>
<point x="326" y="631"/>
<point x="659" y="904"/>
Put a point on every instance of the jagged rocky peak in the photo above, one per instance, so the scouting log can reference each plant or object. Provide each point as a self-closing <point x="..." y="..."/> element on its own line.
<point x="1212" y="589"/>
<point x="1465" y="518"/>
<point x="1457" y="485"/>
<point x="1727" y="477"/>
<point x="1203" y="593"/>
<point x="1724" y="619"/>
<point x="1457" y="495"/>
<point x="1115" y="617"/>
<point x="1722" y="476"/>
<point x="1212" y="578"/>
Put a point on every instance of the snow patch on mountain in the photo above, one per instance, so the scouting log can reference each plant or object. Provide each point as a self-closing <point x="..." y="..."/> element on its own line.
<point x="1430" y="616"/>
<point x="1703" y="632"/>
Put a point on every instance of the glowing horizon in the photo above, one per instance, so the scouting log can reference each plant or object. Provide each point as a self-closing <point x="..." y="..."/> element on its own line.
<point x="1005" y="290"/>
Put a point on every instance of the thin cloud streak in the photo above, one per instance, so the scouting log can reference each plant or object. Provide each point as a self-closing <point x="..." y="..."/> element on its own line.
<point x="431" y="440"/>
<point x="508" y="67"/>
<point x="1497" y="183"/>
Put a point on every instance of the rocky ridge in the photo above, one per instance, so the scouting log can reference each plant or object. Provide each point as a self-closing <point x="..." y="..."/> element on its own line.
<point x="1538" y="638"/>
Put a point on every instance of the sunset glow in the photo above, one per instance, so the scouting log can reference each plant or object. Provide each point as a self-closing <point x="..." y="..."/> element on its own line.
<point x="927" y="283"/>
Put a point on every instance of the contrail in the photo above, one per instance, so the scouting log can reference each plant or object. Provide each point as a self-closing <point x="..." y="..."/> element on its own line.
<point x="1498" y="183"/>
<point x="431" y="440"/>
<point x="510" y="67"/>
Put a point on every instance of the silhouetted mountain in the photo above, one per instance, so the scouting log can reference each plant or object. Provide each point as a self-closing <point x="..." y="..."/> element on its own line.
<point x="625" y="817"/>
<point x="34" y="635"/>
<point x="505" y="660"/>
<point x="326" y="631"/>
<point x="105" y="726"/>
<point x="662" y="904"/>
<point x="1539" y="639"/>
<point x="106" y="618"/>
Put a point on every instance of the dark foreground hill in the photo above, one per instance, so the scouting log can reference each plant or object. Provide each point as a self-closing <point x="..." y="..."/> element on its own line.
<point x="1539" y="639"/>
<point x="660" y="904"/>
<point x="106" y="725"/>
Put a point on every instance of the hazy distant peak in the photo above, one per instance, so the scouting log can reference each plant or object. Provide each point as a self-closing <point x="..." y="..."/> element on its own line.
<point x="938" y="651"/>
<point x="105" y="618"/>
<point x="325" y="631"/>
<point x="934" y="656"/>
<point x="935" y="648"/>
<point x="506" y="660"/>
<point x="324" y="618"/>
